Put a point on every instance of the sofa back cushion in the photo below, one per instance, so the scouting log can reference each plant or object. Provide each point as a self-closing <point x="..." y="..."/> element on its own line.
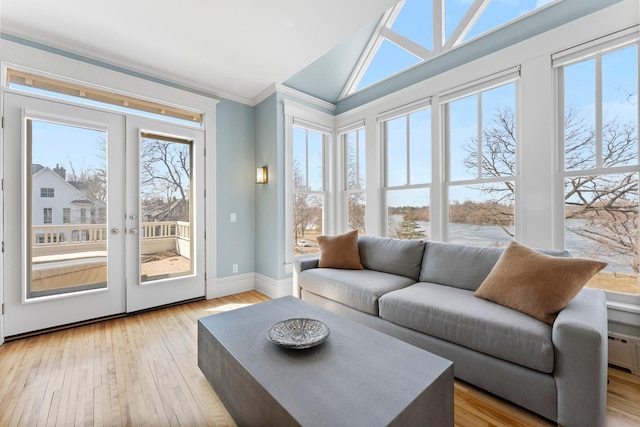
<point x="401" y="257"/>
<point x="463" y="266"/>
<point x="458" y="265"/>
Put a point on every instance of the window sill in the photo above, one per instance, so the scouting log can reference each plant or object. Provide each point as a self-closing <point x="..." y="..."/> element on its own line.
<point x="624" y="306"/>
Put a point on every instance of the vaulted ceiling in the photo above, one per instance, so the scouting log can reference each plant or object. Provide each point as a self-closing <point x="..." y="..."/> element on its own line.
<point x="236" y="49"/>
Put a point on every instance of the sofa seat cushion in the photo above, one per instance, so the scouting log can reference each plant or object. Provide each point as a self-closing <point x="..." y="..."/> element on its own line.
<point x="358" y="289"/>
<point x="456" y="315"/>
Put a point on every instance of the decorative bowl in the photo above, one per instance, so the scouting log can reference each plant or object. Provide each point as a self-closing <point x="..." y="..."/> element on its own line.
<point x="298" y="333"/>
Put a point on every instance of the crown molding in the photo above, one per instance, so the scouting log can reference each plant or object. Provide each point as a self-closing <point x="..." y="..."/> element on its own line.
<point x="301" y="96"/>
<point x="69" y="50"/>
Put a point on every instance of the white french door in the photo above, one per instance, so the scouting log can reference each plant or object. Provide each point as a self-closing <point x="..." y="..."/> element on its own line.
<point x="101" y="214"/>
<point x="165" y="213"/>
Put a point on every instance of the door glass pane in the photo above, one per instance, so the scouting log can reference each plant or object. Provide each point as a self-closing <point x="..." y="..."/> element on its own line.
<point x="67" y="178"/>
<point x="166" y="239"/>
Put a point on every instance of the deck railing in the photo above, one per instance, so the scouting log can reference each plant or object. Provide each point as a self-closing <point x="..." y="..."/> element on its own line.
<point x="73" y="234"/>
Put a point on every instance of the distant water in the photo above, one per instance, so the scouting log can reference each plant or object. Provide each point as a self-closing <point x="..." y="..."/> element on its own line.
<point x="492" y="235"/>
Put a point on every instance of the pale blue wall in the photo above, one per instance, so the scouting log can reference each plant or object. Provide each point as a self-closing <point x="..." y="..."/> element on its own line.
<point x="235" y="186"/>
<point x="269" y="198"/>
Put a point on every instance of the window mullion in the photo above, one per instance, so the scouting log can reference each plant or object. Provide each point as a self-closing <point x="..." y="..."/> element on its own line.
<point x="599" y="117"/>
<point x="408" y="144"/>
<point x="357" y="160"/>
<point x="479" y="130"/>
<point x="306" y="159"/>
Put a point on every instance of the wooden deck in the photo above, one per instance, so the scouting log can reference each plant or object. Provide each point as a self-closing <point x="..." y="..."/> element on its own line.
<point x="142" y="370"/>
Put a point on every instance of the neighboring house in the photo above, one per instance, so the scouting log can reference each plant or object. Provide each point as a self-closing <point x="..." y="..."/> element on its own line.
<point x="56" y="201"/>
<point x="160" y="210"/>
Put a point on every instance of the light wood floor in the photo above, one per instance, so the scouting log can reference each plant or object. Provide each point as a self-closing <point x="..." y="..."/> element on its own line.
<point x="142" y="370"/>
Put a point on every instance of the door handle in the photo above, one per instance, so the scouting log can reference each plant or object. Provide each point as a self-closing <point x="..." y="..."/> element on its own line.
<point x="115" y="231"/>
<point x="133" y="231"/>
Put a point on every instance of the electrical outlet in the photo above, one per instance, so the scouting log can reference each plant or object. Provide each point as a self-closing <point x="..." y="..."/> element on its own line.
<point x="234" y="267"/>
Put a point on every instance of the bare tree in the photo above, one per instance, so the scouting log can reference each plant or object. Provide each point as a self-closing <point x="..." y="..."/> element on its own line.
<point x="165" y="169"/>
<point x="93" y="177"/>
<point x="307" y="207"/>
<point x="606" y="205"/>
<point x="165" y="179"/>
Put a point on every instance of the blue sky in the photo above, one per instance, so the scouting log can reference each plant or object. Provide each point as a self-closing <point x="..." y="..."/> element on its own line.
<point x="54" y="143"/>
<point x="415" y="23"/>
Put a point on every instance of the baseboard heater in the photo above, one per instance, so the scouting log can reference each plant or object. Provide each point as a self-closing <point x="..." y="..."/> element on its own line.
<point x="624" y="352"/>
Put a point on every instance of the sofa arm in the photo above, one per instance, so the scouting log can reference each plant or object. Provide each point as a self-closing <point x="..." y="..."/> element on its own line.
<point x="298" y="267"/>
<point x="580" y="347"/>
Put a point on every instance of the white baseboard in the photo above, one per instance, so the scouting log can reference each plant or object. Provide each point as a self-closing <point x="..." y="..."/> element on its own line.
<point x="274" y="288"/>
<point x="221" y="287"/>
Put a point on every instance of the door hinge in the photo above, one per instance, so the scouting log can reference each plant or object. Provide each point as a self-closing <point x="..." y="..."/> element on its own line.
<point x="3" y="308"/>
<point x="2" y="184"/>
<point x="2" y="122"/>
<point x="3" y="246"/>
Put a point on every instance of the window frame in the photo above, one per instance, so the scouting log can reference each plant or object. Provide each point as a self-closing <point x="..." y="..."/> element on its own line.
<point x="478" y="87"/>
<point x="361" y="139"/>
<point x="383" y="120"/>
<point x="298" y="115"/>
<point x="594" y="49"/>
<point x="47" y="215"/>
<point x="47" y="192"/>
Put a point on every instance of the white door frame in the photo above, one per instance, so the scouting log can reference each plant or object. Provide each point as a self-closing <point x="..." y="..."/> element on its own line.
<point x="24" y="314"/>
<point x="41" y="60"/>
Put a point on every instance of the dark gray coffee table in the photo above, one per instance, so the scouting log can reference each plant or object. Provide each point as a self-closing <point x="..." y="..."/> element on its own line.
<point x="358" y="377"/>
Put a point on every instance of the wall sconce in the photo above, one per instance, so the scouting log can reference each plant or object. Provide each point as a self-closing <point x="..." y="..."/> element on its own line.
<point x="261" y="175"/>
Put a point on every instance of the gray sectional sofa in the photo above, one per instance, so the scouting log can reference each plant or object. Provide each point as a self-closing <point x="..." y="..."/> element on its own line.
<point x="422" y="293"/>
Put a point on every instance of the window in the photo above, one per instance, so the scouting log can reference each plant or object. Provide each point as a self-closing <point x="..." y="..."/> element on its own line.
<point x="481" y="139"/>
<point x="355" y="174"/>
<point x="599" y="152"/>
<point x="83" y="215"/>
<point x="415" y="31"/>
<point x="308" y="149"/>
<point x="66" y="215"/>
<point x="408" y="174"/>
<point x="47" y="216"/>
<point x="32" y="83"/>
<point x="46" y="192"/>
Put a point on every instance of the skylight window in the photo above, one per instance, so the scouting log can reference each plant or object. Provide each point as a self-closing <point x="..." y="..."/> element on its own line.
<point x="415" y="11"/>
<point x="389" y="59"/>
<point x="415" y="31"/>
<point x="499" y="12"/>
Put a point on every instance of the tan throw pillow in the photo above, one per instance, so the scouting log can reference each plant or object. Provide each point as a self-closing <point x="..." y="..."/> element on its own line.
<point x="534" y="283"/>
<point x="340" y="251"/>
